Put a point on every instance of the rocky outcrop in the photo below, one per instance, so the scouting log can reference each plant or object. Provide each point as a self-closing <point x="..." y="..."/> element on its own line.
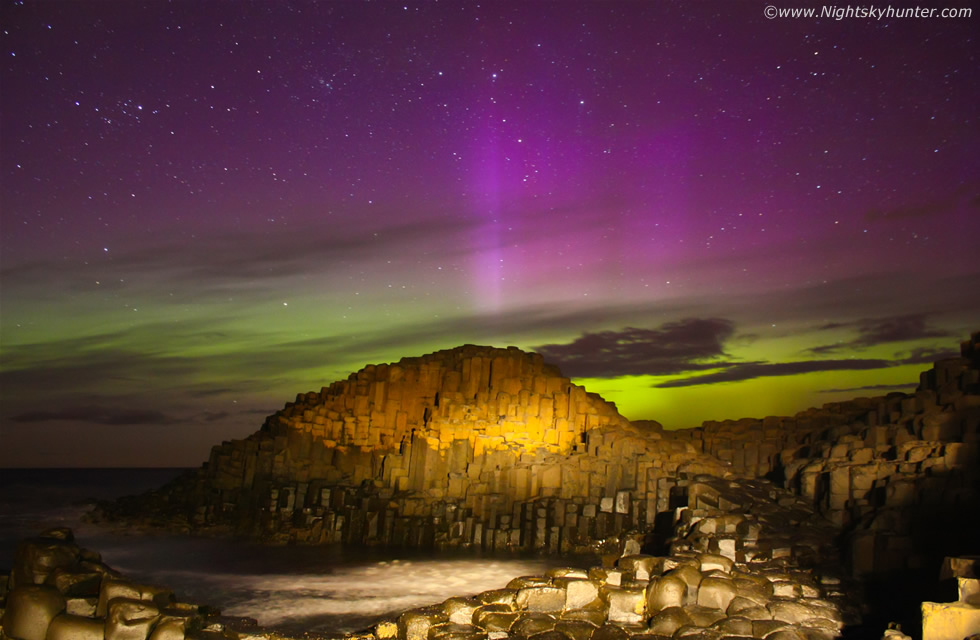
<point x="493" y="449"/>
<point x="887" y="470"/>
<point x="745" y="560"/>
<point x="471" y="447"/>
<point x="898" y="474"/>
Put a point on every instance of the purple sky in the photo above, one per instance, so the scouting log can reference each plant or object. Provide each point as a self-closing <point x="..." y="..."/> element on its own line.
<point x="208" y="207"/>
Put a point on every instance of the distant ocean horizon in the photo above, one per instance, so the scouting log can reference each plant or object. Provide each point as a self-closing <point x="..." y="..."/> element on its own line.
<point x="33" y="499"/>
<point x="325" y="590"/>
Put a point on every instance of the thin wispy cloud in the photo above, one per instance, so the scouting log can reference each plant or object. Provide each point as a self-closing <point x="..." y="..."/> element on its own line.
<point x="94" y="414"/>
<point x="752" y="370"/>
<point x="879" y="331"/>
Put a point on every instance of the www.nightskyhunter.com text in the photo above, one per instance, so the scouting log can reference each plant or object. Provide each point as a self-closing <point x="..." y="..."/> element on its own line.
<point x="866" y="12"/>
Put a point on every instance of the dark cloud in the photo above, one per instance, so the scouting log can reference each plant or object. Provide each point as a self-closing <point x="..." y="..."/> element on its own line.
<point x="208" y="392"/>
<point x="750" y="370"/>
<point x="120" y="370"/>
<point x="877" y="331"/>
<point x="878" y="296"/>
<point x="97" y="415"/>
<point x="898" y="329"/>
<point x="132" y="360"/>
<point x="673" y="348"/>
<point x="874" y="387"/>
<point x="831" y="325"/>
<point x="216" y="263"/>
<point x="824" y="349"/>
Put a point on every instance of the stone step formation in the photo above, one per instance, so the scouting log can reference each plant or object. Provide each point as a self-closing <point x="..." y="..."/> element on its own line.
<point x="474" y="447"/>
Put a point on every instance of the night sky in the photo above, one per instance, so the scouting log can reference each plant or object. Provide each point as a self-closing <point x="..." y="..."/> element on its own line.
<point x="696" y="211"/>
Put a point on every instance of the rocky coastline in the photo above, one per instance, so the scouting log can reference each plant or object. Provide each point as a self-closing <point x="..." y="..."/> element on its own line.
<point x="831" y="523"/>
<point x="744" y="558"/>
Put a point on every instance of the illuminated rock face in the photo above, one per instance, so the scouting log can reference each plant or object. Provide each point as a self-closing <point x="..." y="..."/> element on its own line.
<point x="955" y="620"/>
<point x="470" y="447"/>
<point x="462" y="411"/>
<point x="495" y="399"/>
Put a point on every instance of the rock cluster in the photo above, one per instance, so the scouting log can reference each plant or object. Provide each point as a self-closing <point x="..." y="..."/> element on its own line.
<point x="59" y="591"/>
<point x="471" y="447"/>
<point x="746" y="560"/>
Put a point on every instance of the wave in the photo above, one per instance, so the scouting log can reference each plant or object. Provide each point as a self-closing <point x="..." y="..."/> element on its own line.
<point x="328" y="590"/>
<point x="348" y="598"/>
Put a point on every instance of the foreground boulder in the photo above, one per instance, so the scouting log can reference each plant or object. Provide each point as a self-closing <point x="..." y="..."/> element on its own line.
<point x="960" y="619"/>
<point x="59" y="591"/>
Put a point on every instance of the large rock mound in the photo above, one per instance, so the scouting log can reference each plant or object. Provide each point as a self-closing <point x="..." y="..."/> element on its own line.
<point x="469" y="447"/>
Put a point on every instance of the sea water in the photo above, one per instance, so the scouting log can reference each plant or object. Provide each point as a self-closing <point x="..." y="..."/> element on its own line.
<point x="292" y="589"/>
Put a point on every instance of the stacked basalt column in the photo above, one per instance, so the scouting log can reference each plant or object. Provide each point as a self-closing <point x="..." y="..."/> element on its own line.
<point x="874" y="466"/>
<point x="766" y="447"/>
<point x="472" y="447"/>
<point x="903" y="486"/>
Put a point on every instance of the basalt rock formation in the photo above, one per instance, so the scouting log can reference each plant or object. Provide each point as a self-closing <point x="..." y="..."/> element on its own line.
<point x="744" y="560"/>
<point x="770" y="529"/>
<point x="470" y="447"/>
<point x="899" y="476"/>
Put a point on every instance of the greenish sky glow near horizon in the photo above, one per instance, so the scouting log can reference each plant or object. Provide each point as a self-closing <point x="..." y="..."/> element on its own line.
<point x="692" y="210"/>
